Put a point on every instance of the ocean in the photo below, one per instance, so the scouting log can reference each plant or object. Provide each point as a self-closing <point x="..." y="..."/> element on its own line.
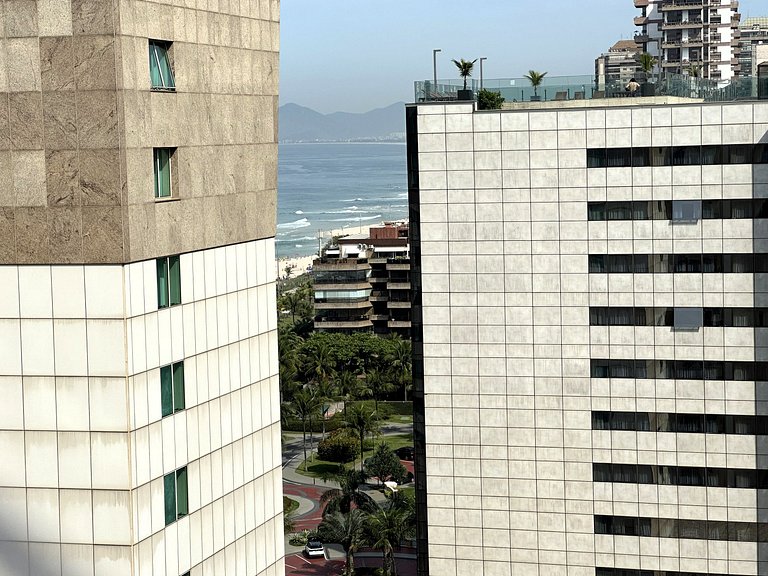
<point x="323" y="187"/>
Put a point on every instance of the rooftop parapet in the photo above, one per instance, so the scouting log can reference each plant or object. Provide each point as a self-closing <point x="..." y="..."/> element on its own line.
<point x="580" y="88"/>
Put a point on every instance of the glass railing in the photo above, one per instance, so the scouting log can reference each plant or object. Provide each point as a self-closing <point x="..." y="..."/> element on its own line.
<point x="561" y="88"/>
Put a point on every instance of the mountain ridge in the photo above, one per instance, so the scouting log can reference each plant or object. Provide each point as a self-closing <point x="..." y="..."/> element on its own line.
<point x="303" y="124"/>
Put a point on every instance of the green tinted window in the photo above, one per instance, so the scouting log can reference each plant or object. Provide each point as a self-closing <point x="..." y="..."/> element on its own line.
<point x="168" y="281"/>
<point x="162" y="172"/>
<point x="162" y="282"/>
<point x="175" y="279"/>
<point x="182" y="499"/>
<point x="160" y="72"/>
<point x="178" y="386"/>
<point x="169" y="483"/>
<point x="166" y="390"/>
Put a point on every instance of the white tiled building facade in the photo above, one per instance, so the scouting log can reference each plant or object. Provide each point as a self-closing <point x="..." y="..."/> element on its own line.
<point x="590" y="338"/>
<point x="85" y="446"/>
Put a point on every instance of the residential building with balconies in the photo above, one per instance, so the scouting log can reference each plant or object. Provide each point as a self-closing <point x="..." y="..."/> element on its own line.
<point x="362" y="283"/>
<point x="699" y="37"/>
<point x="753" y="44"/>
<point x="617" y="66"/>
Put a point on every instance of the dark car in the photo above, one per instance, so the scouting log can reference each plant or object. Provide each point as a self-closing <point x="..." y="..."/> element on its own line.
<point x="405" y="453"/>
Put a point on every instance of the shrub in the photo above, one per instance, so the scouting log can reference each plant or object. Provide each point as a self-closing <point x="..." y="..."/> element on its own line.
<point x="488" y="100"/>
<point x="385" y="465"/>
<point x="338" y="447"/>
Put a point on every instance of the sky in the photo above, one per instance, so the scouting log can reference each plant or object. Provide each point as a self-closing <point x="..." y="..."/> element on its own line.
<point x="357" y="55"/>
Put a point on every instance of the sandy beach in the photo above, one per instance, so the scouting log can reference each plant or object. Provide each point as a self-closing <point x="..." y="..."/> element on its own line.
<point x="301" y="264"/>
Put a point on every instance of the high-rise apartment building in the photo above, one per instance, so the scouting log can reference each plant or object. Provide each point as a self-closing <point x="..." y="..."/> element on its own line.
<point x="362" y="283"/>
<point x="753" y="45"/>
<point x="139" y="421"/>
<point x="617" y="66"/>
<point x="688" y="34"/>
<point x="590" y="322"/>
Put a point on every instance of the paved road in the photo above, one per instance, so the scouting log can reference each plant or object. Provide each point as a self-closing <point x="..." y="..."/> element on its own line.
<point x="309" y="490"/>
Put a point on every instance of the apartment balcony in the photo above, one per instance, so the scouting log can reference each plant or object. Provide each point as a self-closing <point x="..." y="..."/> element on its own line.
<point x="377" y="279"/>
<point x="682" y="24"/>
<point x="399" y="324"/>
<point x="340" y="285"/>
<point x="403" y="304"/>
<point x="399" y="286"/>
<point x="356" y="304"/>
<point x="641" y="3"/>
<point x="683" y="5"/>
<point x="380" y="297"/>
<point x="340" y="264"/>
<point x="351" y="324"/>
<point x="398" y="265"/>
<point x="642" y="38"/>
<point x="379" y="317"/>
<point x="377" y="260"/>
<point x="641" y="20"/>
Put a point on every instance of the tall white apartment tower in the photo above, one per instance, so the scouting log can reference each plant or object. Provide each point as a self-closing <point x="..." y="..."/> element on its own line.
<point x="139" y="417"/>
<point x="590" y="323"/>
<point x="683" y="34"/>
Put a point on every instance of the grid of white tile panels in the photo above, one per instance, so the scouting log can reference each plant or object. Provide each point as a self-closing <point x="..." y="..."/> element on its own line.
<point x="84" y="442"/>
<point x="507" y="339"/>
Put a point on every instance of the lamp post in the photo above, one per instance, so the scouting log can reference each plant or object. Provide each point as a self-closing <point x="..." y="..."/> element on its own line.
<point x="481" y="71"/>
<point x="434" y="68"/>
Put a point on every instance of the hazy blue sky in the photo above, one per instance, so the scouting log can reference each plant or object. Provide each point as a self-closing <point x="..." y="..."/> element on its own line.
<point x="356" y="55"/>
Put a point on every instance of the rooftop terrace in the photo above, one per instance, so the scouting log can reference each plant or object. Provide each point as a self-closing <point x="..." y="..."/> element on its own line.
<point x="578" y="89"/>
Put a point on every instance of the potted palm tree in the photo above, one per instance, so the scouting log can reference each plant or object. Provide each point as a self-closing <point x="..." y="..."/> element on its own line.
<point x="647" y="62"/>
<point x="535" y="78"/>
<point x="465" y="71"/>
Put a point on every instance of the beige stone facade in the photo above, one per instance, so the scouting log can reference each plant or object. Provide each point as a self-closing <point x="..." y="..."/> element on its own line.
<point x="78" y="122"/>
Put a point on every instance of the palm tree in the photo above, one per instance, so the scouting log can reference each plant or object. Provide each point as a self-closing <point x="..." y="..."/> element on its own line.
<point x="325" y="390"/>
<point x="341" y="499"/>
<point x="362" y="421"/>
<point x="319" y="363"/>
<point x="305" y="406"/>
<point x="379" y="384"/>
<point x="348" y="530"/>
<point x="535" y="78"/>
<point x="465" y="69"/>
<point x="646" y="62"/>
<point x="401" y="360"/>
<point x="387" y="528"/>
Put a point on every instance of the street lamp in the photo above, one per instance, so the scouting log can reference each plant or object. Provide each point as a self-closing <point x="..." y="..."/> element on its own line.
<point x="434" y="68"/>
<point x="481" y="71"/>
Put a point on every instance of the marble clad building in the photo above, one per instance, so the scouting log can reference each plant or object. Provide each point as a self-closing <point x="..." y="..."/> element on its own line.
<point x="590" y="328"/>
<point x="139" y="421"/>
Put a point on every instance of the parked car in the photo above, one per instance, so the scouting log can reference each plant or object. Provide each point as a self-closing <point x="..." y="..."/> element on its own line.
<point x="405" y="453"/>
<point x="314" y="548"/>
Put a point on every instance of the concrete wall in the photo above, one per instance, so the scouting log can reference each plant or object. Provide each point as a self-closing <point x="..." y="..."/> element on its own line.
<point x="78" y="123"/>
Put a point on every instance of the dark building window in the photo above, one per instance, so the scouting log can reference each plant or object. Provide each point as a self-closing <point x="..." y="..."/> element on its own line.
<point x="677" y="155"/>
<point x="674" y="528"/>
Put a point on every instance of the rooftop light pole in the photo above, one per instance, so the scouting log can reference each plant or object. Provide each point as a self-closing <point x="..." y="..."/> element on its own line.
<point x="481" y="71"/>
<point x="434" y="68"/>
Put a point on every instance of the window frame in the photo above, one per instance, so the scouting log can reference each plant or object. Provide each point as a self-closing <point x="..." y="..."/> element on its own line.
<point x="172" y="180"/>
<point x="172" y="389"/>
<point x="154" y="45"/>
<point x="168" y="275"/>
<point x="176" y="490"/>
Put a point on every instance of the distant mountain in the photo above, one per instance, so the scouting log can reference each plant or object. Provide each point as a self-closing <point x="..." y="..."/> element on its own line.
<point x="302" y="124"/>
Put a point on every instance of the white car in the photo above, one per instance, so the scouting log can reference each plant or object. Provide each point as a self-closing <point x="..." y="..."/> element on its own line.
<point x="314" y="548"/>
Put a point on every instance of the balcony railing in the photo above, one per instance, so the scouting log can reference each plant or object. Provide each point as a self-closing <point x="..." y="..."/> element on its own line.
<point x="565" y="88"/>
